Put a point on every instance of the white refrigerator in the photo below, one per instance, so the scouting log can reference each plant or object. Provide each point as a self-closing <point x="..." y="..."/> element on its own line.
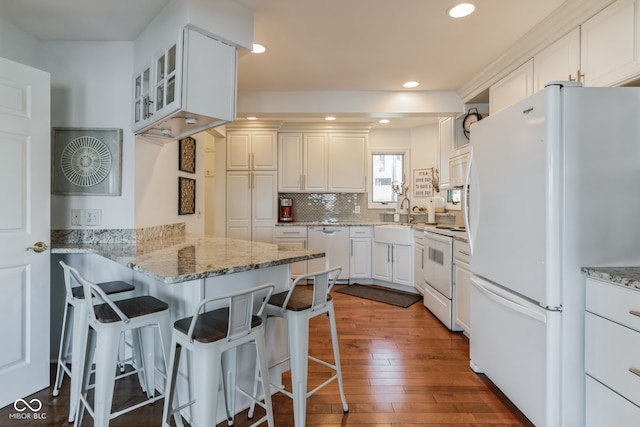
<point x="553" y="185"/>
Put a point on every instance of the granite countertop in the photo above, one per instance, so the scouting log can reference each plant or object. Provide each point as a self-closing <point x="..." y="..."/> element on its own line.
<point x="625" y="276"/>
<point x="192" y="257"/>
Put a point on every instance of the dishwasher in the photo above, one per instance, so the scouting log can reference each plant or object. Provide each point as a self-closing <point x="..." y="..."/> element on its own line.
<point x="334" y="242"/>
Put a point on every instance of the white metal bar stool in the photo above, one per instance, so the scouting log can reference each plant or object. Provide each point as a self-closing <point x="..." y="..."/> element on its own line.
<point x="74" y="322"/>
<point x="212" y="338"/>
<point x="297" y="306"/>
<point x="107" y="321"/>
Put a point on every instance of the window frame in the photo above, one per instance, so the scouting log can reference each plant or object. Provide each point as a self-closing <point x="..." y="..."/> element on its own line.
<point x="405" y="152"/>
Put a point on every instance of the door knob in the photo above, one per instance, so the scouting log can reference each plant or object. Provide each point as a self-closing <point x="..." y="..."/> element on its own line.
<point x="38" y="247"/>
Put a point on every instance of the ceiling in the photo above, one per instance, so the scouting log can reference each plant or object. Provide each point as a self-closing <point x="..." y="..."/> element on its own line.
<point x="322" y="45"/>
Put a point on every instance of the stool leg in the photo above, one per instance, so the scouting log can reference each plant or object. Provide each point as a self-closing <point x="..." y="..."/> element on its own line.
<point x="106" y="362"/>
<point x="138" y="360"/>
<point x="63" y="350"/>
<point x="147" y="348"/>
<point x="205" y="375"/>
<point x="264" y="370"/>
<point x="229" y="382"/>
<point x="171" y="396"/>
<point x="298" y="327"/>
<point x="336" y="356"/>
<point x="87" y="350"/>
<point x="78" y="350"/>
<point x="256" y="378"/>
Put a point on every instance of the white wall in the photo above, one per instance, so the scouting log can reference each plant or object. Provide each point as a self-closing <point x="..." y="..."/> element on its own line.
<point x="17" y="45"/>
<point x="91" y="87"/>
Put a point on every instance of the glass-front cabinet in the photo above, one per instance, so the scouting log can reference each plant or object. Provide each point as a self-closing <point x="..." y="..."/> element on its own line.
<point x="157" y="87"/>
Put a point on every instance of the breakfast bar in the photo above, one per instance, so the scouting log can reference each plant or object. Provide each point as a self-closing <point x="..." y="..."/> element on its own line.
<point x="183" y="270"/>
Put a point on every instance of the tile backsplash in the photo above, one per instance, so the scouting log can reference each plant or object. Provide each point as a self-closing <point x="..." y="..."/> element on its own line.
<point x="331" y="207"/>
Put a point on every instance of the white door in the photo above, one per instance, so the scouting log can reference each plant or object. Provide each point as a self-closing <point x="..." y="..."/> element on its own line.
<point x="24" y="220"/>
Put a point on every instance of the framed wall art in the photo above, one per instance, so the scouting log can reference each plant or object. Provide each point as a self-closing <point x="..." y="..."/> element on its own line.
<point x="186" y="196"/>
<point x="187" y="155"/>
<point x="423" y="182"/>
<point x="86" y="161"/>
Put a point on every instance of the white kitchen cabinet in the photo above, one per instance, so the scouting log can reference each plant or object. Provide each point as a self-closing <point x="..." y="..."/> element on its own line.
<point x="559" y="61"/>
<point x="462" y="285"/>
<point x="418" y="262"/>
<point x="294" y="236"/>
<point x="303" y="162"/>
<point x="187" y="86"/>
<point x="612" y="354"/>
<point x="515" y="86"/>
<point x="252" y="149"/>
<point x="610" y="45"/>
<point x="347" y="166"/>
<point x="458" y="164"/>
<point x="251" y="205"/>
<point x="446" y="136"/>
<point x="360" y="252"/>
<point x="393" y="263"/>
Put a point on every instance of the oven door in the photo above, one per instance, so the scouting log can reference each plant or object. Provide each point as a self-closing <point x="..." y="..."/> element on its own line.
<point x="437" y="265"/>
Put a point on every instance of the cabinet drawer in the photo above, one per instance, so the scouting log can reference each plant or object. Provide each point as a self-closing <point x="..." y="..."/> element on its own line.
<point x="611" y="350"/>
<point x="607" y="408"/>
<point x="461" y="251"/>
<point x="291" y="231"/>
<point x="614" y="302"/>
<point x="360" y="231"/>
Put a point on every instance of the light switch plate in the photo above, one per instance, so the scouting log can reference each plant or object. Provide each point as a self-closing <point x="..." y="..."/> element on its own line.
<point x="94" y="216"/>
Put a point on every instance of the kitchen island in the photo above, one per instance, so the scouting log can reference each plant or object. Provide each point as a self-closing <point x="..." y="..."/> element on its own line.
<point x="183" y="270"/>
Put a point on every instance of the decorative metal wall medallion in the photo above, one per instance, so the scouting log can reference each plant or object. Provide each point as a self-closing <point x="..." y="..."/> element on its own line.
<point x="186" y="196"/>
<point x="187" y="155"/>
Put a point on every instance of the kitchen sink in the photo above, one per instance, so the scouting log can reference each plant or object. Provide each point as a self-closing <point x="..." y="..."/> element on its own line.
<point x="393" y="233"/>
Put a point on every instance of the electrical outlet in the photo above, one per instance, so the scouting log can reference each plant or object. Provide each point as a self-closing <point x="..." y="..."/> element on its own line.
<point x="357" y="209"/>
<point x="94" y="216"/>
<point x="76" y="216"/>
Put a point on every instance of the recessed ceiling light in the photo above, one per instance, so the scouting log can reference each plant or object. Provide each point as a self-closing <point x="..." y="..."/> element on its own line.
<point x="461" y="10"/>
<point x="252" y="118"/>
<point x="410" y="85"/>
<point x="329" y="118"/>
<point x="258" y="48"/>
<point x="383" y="121"/>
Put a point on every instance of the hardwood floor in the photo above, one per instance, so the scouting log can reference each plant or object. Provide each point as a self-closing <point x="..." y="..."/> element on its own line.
<point x="401" y="367"/>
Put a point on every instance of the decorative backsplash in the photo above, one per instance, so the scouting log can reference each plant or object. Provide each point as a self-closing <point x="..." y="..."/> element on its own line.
<point x="331" y="207"/>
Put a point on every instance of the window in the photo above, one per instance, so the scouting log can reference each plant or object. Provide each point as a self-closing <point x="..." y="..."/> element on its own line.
<point x="387" y="168"/>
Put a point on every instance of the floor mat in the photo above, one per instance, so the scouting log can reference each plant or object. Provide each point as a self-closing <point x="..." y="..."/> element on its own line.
<point x="376" y="293"/>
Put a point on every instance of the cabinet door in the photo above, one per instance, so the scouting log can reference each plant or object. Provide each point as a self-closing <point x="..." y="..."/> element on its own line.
<point x="446" y="134"/>
<point x="238" y="150"/>
<point x="347" y="163"/>
<point x="263" y="150"/>
<point x="167" y="80"/>
<point x="290" y="162"/>
<point x="238" y="205"/>
<point x="263" y="206"/>
<point x="462" y="296"/>
<point x="610" y="45"/>
<point x="560" y="61"/>
<point x="142" y="103"/>
<point x="403" y="265"/>
<point x="360" y="262"/>
<point x="315" y="162"/>
<point x="512" y="88"/>
<point x="381" y="261"/>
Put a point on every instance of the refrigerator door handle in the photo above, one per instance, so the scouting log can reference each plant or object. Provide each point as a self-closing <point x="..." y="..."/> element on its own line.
<point x="507" y="302"/>
<point x="465" y="205"/>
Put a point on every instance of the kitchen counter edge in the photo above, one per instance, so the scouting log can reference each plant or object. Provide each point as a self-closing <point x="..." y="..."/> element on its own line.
<point x="624" y="276"/>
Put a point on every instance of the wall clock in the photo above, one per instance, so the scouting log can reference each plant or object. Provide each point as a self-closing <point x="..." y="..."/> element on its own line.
<point x="472" y="117"/>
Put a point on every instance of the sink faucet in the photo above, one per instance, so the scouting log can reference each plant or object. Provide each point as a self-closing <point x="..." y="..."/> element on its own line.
<point x="406" y="199"/>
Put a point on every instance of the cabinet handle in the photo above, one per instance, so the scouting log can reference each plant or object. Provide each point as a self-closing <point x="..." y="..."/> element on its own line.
<point x="580" y="76"/>
<point x="388" y="254"/>
<point x="352" y="248"/>
<point x="635" y="371"/>
<point x="571" y="79"/>
<point x="634" y="313"/>
<point x="465" y="253"/>
<point x="422" y="251"/>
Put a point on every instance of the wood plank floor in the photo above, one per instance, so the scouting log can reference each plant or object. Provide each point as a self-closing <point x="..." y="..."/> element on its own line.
<point x="401" y="367"/>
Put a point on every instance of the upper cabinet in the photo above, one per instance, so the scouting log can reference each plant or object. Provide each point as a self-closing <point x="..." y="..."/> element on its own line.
<point x="186" y="87"/>
<point x="347" y="170"/>
<point x="559" y="61"/>
<point x="513" y="87"/>
<point x="446" y="135"/>
<point x="610" y="45"/>
<point x="303" y="159"/>
<point x="252" y="149"/>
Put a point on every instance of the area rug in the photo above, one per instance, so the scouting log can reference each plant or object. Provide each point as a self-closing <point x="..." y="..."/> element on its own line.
<point x="376" y="293"/>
